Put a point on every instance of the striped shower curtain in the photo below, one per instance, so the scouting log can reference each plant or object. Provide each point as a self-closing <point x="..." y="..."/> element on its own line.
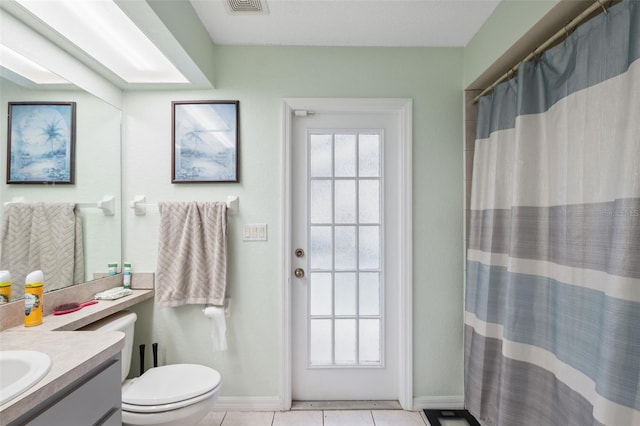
<point x="552" y="299"/>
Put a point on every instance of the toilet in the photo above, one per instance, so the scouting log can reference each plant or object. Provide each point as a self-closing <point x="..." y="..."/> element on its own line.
<point x="171" y="395"/>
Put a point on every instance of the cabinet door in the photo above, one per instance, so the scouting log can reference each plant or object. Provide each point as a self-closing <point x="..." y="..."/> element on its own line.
<point x="92" y="401"/>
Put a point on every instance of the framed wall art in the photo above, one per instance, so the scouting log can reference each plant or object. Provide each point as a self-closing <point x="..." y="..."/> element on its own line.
<point x="205" y="142"/>
<point x="41" y="142"/>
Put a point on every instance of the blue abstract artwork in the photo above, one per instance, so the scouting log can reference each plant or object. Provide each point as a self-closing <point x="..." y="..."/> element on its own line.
<point x="205" y="141"/>
<point x="41" y="145"/>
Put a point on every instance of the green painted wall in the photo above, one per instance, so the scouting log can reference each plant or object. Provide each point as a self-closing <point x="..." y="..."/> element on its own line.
<point x="259" y="77"/>
<point x="510" y="21"/>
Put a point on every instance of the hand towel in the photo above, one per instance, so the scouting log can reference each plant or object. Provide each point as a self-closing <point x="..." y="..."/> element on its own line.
<point x="45" y="236"/>
<point x="192" y="253"/>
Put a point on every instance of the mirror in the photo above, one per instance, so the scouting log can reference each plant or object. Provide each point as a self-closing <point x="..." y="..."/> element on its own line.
<point x="97" y="172"/>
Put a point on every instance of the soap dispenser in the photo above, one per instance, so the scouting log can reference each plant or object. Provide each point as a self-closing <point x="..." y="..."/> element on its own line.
<point x="33" y="299"/>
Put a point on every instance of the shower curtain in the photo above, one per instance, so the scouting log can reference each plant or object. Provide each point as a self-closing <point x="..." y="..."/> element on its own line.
<point x="552" y="299"/>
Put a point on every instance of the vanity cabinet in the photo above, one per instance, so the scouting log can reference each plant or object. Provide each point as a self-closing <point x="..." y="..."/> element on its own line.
<point x="95" y="399"/>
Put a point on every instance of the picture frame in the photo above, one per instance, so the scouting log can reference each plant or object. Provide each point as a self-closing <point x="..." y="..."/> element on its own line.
<point x="205" y="141"/>
<point x="41" y="143"/>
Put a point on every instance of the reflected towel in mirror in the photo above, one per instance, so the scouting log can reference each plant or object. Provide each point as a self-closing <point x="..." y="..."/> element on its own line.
<point x="44" y="236"/>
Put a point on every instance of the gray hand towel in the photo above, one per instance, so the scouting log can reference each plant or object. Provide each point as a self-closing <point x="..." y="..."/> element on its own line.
<point x="192" y="253"/>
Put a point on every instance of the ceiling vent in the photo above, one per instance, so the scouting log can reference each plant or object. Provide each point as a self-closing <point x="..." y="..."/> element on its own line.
<point x="244" y="6"/>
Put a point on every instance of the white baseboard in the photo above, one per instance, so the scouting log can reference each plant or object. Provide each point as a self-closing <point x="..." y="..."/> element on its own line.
<point x="274" y="403"/>
<point x="248" y="403"/>
<point x="454" y="402"/>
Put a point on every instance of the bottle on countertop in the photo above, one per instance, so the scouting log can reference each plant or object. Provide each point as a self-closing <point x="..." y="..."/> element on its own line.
<point x="112" y="268"/>
<point x="33" y="299"/>
<point x="5" y="287"/>
<point x="126" y="279"/>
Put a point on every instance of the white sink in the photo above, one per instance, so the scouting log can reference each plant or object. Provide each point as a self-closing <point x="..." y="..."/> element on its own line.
<point x="19" y="370"/>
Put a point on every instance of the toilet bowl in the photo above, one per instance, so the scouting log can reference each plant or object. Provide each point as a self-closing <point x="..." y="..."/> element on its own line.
<point x="178" y="394"/>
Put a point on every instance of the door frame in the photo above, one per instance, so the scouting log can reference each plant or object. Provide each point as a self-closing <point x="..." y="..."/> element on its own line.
<point x="402" y="108"/>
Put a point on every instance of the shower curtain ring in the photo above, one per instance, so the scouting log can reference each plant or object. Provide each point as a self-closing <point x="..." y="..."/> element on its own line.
<point x="510" y="74"/>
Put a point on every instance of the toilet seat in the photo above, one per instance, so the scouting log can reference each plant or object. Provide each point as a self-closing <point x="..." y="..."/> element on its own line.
<point x="170" y="387"/>
<point x="147" y="409"/>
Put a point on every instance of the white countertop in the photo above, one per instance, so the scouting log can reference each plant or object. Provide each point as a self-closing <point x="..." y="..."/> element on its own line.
<point x="88" y="314"/>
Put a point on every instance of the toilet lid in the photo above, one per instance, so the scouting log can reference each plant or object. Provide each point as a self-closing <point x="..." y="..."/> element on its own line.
<point x="170" y="383"/>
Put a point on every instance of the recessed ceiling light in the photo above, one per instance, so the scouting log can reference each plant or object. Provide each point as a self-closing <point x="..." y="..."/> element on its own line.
<point x="105" y="32"/>
<point x="28" y="69"/>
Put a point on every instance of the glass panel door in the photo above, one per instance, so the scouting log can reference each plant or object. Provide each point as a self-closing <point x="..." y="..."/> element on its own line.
<point x="345" y="256"/>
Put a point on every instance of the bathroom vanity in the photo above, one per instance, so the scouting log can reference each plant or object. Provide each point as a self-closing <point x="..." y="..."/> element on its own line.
<point x="83" y="386"/>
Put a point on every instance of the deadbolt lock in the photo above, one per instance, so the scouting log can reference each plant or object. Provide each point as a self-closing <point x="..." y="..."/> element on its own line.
<point x="299" y="252"/>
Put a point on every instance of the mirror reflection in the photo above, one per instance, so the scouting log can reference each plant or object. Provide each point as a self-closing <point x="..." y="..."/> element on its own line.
<point x="97" y="175"/>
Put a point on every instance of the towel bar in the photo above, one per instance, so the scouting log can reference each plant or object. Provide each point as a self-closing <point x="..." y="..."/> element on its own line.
<point x="139" y="205"/>
<point x="107" y="204"/>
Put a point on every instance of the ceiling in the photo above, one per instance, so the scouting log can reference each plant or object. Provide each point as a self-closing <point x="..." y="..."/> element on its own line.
<point x="174" y="28"/>
<point x="432" y="23"/>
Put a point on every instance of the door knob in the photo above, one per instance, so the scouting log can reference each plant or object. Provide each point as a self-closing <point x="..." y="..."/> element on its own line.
<point x="299" y="273"/>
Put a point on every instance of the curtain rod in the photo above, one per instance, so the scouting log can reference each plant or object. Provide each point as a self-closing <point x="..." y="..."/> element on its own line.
<point x="598" y="4"/>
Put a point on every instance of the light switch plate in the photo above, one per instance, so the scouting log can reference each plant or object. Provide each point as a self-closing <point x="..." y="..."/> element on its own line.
<point x="254" y="232"/>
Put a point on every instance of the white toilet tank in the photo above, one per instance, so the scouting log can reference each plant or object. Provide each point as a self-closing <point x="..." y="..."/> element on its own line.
<point x="120" y="321"/>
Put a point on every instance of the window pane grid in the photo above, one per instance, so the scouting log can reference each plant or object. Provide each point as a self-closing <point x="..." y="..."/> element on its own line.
<point x="344" y="186"/>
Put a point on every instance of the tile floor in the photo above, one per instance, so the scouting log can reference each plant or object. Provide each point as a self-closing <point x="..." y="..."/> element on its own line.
<point x="316" y="418"/>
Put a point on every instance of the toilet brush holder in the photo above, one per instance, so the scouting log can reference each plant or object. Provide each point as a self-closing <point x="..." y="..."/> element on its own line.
<point x="154" y="346"/>
<point x="142" y="359"/>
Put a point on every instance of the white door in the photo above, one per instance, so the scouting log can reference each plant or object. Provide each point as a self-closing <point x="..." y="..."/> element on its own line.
<point x="345" y="197"/>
